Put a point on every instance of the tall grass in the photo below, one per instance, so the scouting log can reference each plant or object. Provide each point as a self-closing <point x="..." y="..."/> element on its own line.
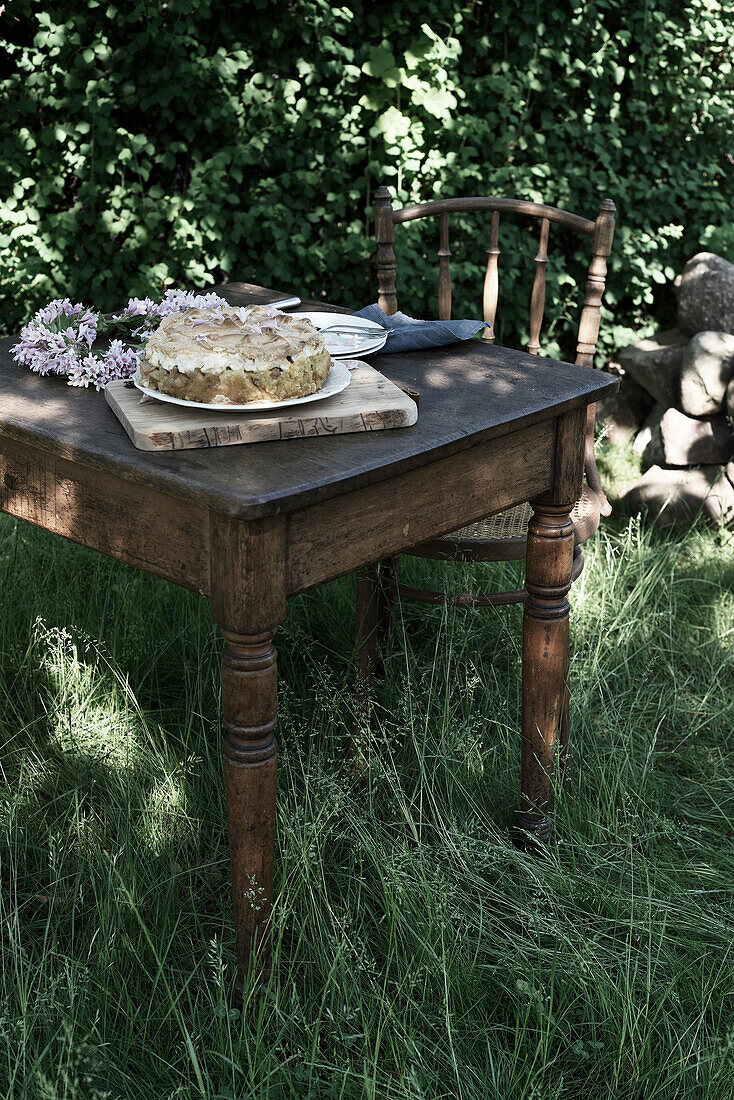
<point x="417" y="954"/>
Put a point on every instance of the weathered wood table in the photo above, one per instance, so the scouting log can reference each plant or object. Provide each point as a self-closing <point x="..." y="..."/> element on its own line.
<point x="249" y="526"/>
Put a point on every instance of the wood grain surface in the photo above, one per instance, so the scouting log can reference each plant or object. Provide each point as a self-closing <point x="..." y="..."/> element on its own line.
<point x="330" y="539"/>
<point x="369" y="403"/>
<point x="469" y="392"/>
<point x="132" y="523"/>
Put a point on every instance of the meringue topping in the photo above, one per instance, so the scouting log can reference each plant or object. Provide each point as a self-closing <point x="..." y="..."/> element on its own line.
<point x="253" y="338"/>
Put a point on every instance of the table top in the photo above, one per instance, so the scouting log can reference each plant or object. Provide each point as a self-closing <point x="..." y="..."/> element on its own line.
<point x="469" y="392"/>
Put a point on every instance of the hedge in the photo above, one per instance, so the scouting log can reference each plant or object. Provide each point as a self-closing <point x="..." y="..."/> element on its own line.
<point x="184" y="143"/>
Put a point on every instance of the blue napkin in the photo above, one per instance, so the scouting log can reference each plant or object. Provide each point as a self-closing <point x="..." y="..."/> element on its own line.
<point x="411" y="334"/>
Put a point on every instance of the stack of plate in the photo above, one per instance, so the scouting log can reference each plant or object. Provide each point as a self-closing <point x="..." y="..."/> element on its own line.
<point x="352" y="345"/>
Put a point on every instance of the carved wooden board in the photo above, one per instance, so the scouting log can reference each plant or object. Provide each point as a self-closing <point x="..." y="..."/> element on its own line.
<point x="369" y="403"/>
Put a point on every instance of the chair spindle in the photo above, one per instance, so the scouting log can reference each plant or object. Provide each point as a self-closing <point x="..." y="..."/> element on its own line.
<point x="537" y="295"/>
<point x="444" y="271"/>
<point x="385" y="235"/>
<point x="601" y="247"/>
<point x="491" y="279"/>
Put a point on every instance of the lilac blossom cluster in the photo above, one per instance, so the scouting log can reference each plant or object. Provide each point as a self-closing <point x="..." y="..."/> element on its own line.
<point x="141" y="316"/>
<point x="59" y="339"/>
<point x="118" y="361"/>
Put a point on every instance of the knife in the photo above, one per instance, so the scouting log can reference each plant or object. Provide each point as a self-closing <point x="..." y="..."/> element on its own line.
<point x="285" y="303"/>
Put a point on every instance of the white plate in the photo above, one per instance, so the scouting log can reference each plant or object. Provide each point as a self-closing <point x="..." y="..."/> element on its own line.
<point x="347" y="347"/>
<point x="338" y="380"/>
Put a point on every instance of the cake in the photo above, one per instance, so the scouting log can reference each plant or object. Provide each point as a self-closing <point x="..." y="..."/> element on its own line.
<point x="234" y="356"/>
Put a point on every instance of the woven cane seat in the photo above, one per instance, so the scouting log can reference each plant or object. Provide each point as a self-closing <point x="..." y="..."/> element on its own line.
<point x="502" y="537"/>
<point x="512" y="524"/>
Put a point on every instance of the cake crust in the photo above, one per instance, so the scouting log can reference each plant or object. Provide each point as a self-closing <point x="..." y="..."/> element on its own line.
<point x="235" y="356"/>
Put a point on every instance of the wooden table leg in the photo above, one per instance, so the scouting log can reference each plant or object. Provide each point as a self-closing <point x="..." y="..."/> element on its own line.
<point x="249" y="683"/>
<point x="545" y="653"/>
<point x="248" y="601"/>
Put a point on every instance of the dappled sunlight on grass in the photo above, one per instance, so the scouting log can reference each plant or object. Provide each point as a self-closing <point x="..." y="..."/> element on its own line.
<point x="416" y="952"/>
<point x="92" y="716"/>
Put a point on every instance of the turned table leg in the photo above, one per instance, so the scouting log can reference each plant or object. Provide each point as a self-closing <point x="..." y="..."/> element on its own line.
<point x="249" y="682"/>
<point x="545" y="651"/>
<point x="544" y="660"/>
<point x="248" y="602"/>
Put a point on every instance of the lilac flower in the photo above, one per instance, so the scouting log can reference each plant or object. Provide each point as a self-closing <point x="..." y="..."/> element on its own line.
<point x="139" y="307"/>
<point x="140" y="317"/>
<point x="117" y="362"/>
<point x="122" y="362"/>
<point x="57" y="335"/>
<point x="176" y="301"/>
<point x="60" y="336"/>
<point x="86" y="370"/>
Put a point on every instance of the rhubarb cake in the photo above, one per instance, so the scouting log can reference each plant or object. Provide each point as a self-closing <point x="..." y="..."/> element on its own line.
<point x="235" y="356"/>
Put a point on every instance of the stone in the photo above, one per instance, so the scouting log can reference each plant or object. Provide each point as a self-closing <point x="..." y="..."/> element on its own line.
<point x="622" y="413"/>
<point x="706" y="370"/>
<point x="706" y="295"/>
<point x="645" y="434"/>
<point x="618" y="417"/>
<point x="729" y="401"/>
<point x="674" y="498"/>
<point x="655" y="364"/>
<point x="653" y="454"/>
<point x="680" y="440"/>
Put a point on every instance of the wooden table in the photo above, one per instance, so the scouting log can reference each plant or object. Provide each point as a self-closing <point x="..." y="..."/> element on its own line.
<point x="249" y="526"/>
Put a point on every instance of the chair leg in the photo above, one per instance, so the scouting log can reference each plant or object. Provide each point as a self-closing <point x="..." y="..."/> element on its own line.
<point x="388" y="602"/>
<point x="564" y="729"/>
<point x="369" y="612"/>
<point x="375" y="621"/>
<point x="564" y="726"/>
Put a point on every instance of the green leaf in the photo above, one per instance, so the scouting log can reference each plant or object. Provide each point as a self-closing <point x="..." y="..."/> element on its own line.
<point x="381" y="65"/>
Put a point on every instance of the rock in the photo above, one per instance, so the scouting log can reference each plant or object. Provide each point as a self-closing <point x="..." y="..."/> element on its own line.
<point x="647" y="430"/>
<point x="619" y="418"/>
<point x="729" y="401"/>
<point x="638" y="397"/>
<point x="706" y="295"/>
<point x="680" y="440"/>
<point x="653" y="455"/>
<point x="623" y="412"/>
<point x="707" y="368"/>
<point x="655" y="364"/>
<point x="674" y="498"/>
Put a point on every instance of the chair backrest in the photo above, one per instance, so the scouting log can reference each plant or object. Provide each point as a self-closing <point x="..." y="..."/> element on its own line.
<point x="600" y="231"/>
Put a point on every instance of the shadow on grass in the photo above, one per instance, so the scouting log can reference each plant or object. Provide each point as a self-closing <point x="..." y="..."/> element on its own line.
<point x="416" y="953"/>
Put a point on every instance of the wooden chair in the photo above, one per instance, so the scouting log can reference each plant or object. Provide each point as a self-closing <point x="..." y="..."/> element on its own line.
<point x="500" y="537"/>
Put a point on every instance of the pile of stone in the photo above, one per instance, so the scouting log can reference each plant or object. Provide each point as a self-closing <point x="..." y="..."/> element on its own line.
<point x="675" y="405"/>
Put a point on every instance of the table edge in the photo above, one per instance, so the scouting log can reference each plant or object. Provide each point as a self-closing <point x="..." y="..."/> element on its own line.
<point x="291" y="500"/>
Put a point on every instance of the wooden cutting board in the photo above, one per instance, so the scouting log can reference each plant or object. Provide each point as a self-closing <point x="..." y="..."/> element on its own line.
<point x="369" y="403"/>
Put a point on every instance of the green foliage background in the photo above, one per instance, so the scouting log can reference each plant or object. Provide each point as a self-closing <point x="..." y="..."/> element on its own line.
<point x="149" y="144"/>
